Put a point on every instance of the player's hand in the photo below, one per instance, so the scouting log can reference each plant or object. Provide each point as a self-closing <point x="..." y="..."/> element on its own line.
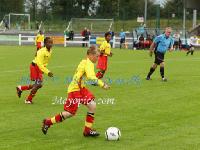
<point x="50" y="74"/>
<point x="111" y="54"/>
<point x="106" y="86"/>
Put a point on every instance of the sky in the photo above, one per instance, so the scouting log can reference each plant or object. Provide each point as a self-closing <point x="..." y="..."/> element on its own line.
<point x="161" y="2"/>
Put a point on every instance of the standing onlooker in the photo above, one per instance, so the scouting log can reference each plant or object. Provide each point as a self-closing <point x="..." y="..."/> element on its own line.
<point x="122" y="36"/>
<point x="193" y="42"/>
<point x="176" y="37"/>
<point x="141" y="41"/>
<point x="84" y="34"/>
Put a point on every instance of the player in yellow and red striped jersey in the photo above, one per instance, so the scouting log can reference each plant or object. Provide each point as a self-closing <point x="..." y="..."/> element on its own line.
<point x="39" y="40"/>
<point x="37" y="68"/>
<point x="105" y="50"/>
<point x="79" y="94"/>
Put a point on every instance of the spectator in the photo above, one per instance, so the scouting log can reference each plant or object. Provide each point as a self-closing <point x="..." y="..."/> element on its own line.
<point x="122" y="36"/>
<point x="176" y="37"/>
<point x="71" y="35"/>
<point x="84" y="34"/>
<point x="5" y="24"/>
<point x="148" y="41"/>
<point x="141" y="41"/>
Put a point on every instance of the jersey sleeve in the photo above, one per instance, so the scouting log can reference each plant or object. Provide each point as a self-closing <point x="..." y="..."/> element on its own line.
<point x="157" y="39"/>
<point x="90" y="74"/>
<point x="40" y="59"/>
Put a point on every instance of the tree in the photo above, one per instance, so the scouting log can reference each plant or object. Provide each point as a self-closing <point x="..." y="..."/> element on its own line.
<point x="11" y="6"/>
<point x="32" y="7"/>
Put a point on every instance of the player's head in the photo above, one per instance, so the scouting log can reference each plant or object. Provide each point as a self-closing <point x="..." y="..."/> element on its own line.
<point x="40" y="32"/>
<point x="168" y="31"/>
<point x="48" y="42"/>
<point x="108" y="36"/>
<point x="93" y="53"/>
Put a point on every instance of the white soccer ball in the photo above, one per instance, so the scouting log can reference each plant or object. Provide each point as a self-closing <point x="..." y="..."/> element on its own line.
<point x="112" y="134"/>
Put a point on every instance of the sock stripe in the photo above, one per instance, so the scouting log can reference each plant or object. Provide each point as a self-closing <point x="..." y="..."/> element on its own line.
<point x="63" y="118"/>
<point x="88" y="124"/>
<point x="53" y="120"/>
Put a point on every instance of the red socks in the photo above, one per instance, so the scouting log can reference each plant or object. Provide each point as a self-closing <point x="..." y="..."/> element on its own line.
<point x="89" y="122"/>
<point x="99" y="75"/>
<point x="56" y="119"/>
<point x="25" y="87"/>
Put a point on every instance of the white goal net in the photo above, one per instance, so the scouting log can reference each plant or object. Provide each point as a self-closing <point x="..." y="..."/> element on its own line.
<point x="94" y="25"/>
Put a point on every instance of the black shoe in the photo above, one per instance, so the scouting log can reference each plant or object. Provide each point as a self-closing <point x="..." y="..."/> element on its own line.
<point x="19" y="92"/>
<point x="91" y="133"/>
<point x="164" y="79"/>
<point x="45" y="127"/>
<point x="148" y="78"/>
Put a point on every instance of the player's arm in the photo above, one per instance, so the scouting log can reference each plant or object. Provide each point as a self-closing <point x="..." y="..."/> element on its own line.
<point x="111" y="54"/>
<point x="151" y="49"/>
<point x="171" y="45"/>
<point x="89" y="69"/>
<point x="40" y="59"/>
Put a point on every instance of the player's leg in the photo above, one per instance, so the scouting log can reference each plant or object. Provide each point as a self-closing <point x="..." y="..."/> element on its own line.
<point x="102" y="66"/>
<point x="100" y="74"/>
<point x="189" y="49"/>
<point x="89" y="120"/>
<point x="21" y="88"/>
<point x="33" y="76"/>
<point x="162" y="71"/>
<point x="35" y="87"/>
<point x="192" y="51"/>
<point x="151" y="71"/>
<point x="88" y="131"/>
<point x="70" y="108"/>
<point x="47" y="123"/>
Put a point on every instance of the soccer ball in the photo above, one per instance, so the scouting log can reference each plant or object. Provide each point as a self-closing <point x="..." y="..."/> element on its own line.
<point x="112" y="134"/>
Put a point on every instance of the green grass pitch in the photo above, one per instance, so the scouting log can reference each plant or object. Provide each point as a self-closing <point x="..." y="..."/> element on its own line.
<point x="152" y="115"/>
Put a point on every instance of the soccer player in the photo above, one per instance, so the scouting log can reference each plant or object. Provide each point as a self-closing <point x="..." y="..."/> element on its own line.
<point x="39" y="40"/>
<point x="193" y="42"/>
<point x="37" y="68"/>
<point x="105" y="51"/>
<point x="161" y="43"/>
<point x="79" y="94"/>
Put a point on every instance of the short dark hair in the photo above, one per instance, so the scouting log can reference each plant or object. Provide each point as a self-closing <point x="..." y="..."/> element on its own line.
<point x="46" y="39"/>
<point x="107" y="33"/>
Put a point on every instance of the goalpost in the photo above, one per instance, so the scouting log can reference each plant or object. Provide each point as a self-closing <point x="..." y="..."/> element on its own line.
<point x="94" y="25"/>
<point x="18" y="21"/>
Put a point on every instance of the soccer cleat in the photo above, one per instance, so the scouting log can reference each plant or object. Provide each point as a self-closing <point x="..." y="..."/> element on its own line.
<point x="91" y="133"/>
<point x="164" y="79"/>
<point x="148" y="78"/>
<point x="19" y="92"/>
<point x="45" y="127"/>
<point x="28" y="102"/>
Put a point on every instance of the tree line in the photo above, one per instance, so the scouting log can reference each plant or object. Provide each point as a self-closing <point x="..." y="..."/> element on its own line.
<point x="67" y="9"/>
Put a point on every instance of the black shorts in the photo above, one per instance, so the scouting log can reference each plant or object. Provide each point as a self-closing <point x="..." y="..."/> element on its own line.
<point x="159" y="57"/>
<point x="176" y="43"/>
<point x="122" y="41"/>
